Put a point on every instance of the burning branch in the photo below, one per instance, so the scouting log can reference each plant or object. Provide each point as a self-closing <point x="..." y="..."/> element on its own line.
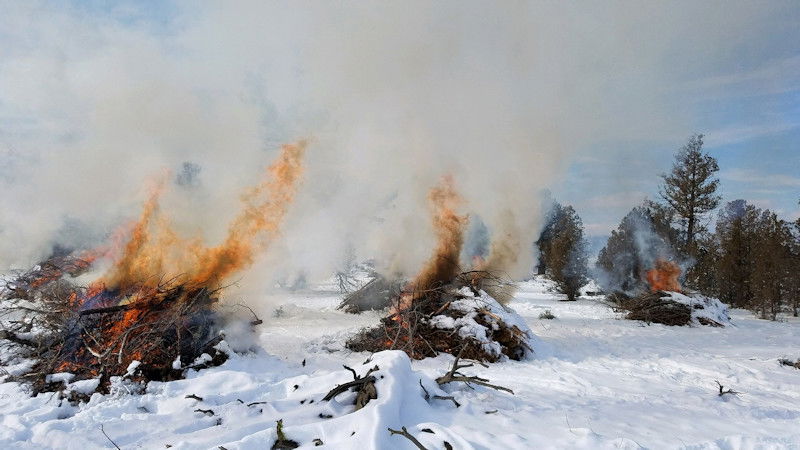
<point x="664" y="276"/>
<point x="154" y="248"/>
<point x="156" y="303"/>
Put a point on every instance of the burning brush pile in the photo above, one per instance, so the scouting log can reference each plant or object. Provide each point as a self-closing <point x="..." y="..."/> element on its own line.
<point x="666" y="303"/>
<point x="444" y="309"/>
<point x="154" y="314"/>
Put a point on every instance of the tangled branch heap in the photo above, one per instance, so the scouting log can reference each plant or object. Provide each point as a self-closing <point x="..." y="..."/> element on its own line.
<point x="449" y="318"/>
<point x="98" y="334"/>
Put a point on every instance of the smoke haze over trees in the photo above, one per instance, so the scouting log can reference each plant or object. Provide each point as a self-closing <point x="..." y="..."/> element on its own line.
<point x="748" y="258"/>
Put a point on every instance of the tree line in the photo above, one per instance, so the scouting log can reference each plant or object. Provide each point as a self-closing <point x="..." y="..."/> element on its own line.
<point x="747" y="256"/>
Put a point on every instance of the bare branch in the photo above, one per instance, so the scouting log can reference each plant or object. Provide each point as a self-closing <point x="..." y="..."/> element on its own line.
<point x="404" y="432"/>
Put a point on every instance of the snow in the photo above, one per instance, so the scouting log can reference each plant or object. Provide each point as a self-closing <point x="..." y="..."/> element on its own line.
<point x="61" y="377"/>
<point x="594" y="382"/>
<point x="84" y="386"/>
<point x="468" y="327"/>
<point x="132" y="367"/>
<point x="702" y="307"/>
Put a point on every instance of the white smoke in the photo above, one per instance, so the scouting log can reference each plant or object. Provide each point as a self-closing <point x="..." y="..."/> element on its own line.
<point x="392" y="95"/>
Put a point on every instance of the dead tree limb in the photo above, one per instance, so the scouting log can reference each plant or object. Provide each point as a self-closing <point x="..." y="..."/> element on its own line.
<point x="363" y="386"/>
<point x="403" y="432"/>
<point x="454" y="375"/>
<point x="726" y="391"/>
<point x="438" y="397"/>
<point x="109" y="439"/>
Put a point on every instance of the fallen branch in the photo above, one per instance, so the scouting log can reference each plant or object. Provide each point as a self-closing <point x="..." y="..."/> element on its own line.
<point x="403" y="432"/>
<point x="438" y="397"/>
<point x="790" y="363"/>
<point x="454" y="375"/>
<point x="364" y="386"/>
<point x="723" y="392"/>
<point x="256" y="320"/>
<point x="109" y="439"/>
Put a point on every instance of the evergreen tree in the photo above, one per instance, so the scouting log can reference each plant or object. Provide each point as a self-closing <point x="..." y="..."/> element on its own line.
<point x="735" y="235"/>
<point x="567" y="256"/>
<point x="545" y="240"/>
<point x="642" y="236"/>
<point x="702" y="275"/>
<point x="689" y="190"/>
<point x="771" y="271"/>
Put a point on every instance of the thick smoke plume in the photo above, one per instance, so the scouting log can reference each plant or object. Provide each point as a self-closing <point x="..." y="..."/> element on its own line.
<point x="394" y="95"/>
<point x="443" y="266"/>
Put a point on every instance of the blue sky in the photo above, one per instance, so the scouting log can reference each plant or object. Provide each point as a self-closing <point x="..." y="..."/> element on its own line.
<point x="750" y="115"/>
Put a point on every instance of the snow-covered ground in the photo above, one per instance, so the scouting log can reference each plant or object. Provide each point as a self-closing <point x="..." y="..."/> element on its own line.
<point x="595" y="382"/>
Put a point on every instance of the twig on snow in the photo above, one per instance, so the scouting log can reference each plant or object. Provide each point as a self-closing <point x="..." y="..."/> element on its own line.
<point x="403" y="432"/>
<point x="109" y="439"/>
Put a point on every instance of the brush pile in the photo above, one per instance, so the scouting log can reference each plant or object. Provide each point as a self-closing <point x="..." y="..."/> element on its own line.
<point x="672" y="308"/>
<point x="459" y="317"/>
<point x="152" y="315"/>
<point x="62" y="335"/>
<point x="375" y="295"/>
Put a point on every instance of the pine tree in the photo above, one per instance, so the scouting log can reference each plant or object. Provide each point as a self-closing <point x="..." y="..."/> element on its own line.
<point x="771" y="270"/>
<point x="689" y="190"/>
<point x="567" y="256"/>
<point x="544" y="243"/>
<point x="642" y="236"/>
<point x="736" y="235"/>
<point x="702" y="275"/>
<point x="794" y="269"/>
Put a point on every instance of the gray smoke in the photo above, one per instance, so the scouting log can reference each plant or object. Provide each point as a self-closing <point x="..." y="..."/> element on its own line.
<point x="392" y="95"/>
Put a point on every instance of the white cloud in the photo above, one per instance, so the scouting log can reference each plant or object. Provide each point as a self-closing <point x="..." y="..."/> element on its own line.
<point x="744" y="132"/>
<point x="777" y="76"/>
<point x="760" y="179"/>
<point x="624" y="199"/>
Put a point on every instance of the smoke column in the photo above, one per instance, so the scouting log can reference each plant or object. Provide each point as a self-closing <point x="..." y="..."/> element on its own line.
<point x="392" y="95"/>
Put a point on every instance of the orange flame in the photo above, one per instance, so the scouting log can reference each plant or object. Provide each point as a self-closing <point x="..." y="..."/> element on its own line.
<point x="664" y="276"/>
<point x="154" y="249"/>
<point x="449" y="226"/>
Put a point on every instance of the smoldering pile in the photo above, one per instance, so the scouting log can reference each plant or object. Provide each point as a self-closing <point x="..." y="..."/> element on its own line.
<point x="456" y="318"/>
<point x="376" y="294"/>
<point x="154" y="313"/>
<point x="444" y="309"/>
<point x="672" y="308"/>
<point x="667" y="304"/>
